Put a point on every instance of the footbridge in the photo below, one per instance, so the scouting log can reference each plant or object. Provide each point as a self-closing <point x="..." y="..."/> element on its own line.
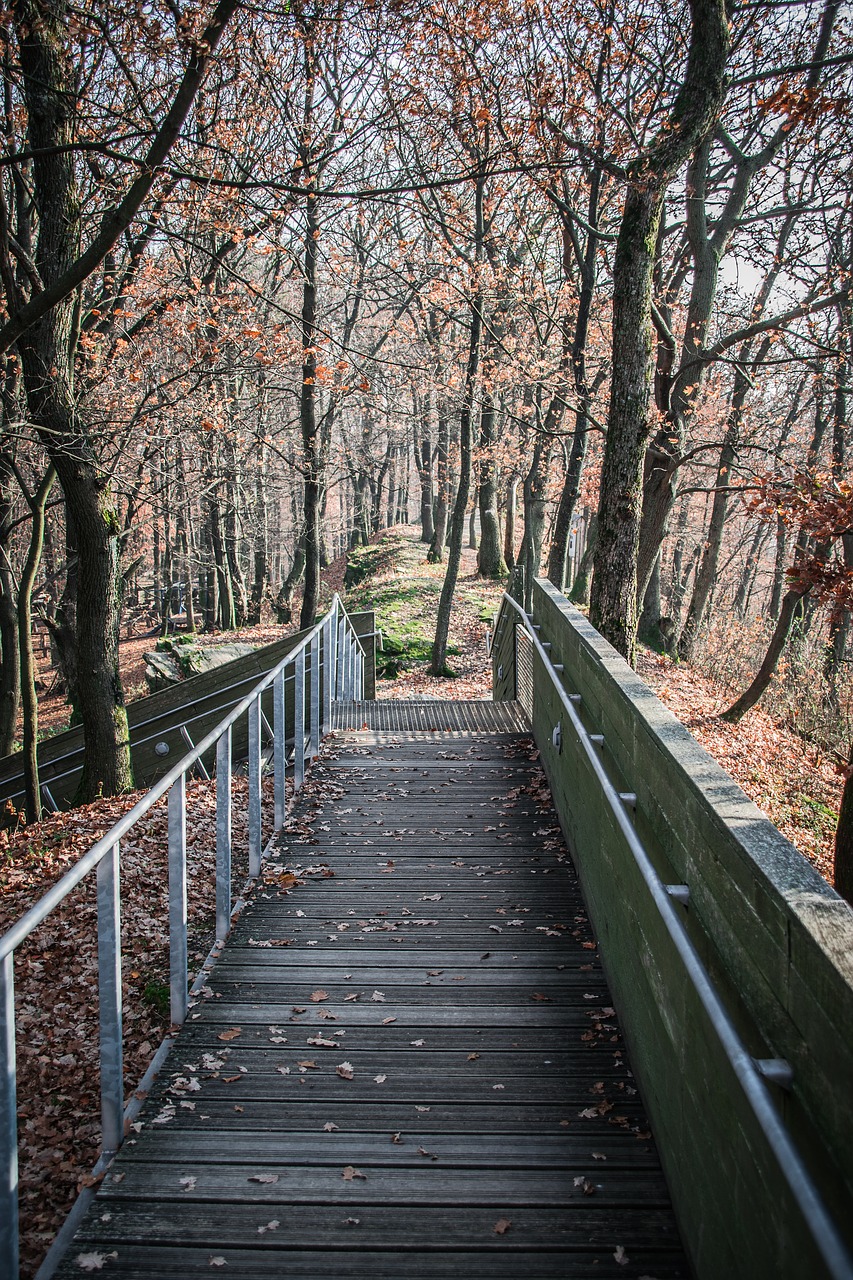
<point x="524" y="987"/>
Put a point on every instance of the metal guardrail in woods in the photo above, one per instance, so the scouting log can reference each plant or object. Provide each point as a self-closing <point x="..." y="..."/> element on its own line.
<point x="327" y="665"/>
<point x="752" y="1074"/>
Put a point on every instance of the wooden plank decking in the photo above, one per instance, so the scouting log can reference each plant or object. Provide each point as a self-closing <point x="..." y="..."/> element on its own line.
<point x="407" y="1068"/>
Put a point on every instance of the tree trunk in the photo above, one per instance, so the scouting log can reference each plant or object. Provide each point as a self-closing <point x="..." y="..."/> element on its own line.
<point x="579" y="593"/>
<point x="435" y="555"/>
<point x="490" y="561"/>
<point x="613" y="605"/>
<point x="792" y="607"/>
<point x="10" y="670"/>
<point x="510" y="520"/>
<point x="535" y="485"/>
<point x="46" y="350"/>
<point x="260" y="574"/>
<point x="29" y="698"/>
<point x="844" y="838"/>
<point x="438" y="664"/>
<point x="423" y="460"/>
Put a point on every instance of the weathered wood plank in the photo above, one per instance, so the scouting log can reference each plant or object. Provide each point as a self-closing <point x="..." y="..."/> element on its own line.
<point x="488" y="1077"/>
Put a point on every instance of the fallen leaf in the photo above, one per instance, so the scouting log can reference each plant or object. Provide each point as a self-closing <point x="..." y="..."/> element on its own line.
<point x="270" y="1226"/>
<point x="217" y="1262"/>
<point x="263" y="1177"/>
<point x="322" y="1043"/>
<point x="307" y="1064"/>
<point x="621" y="1256"/>
<point x="317" y="996"/>
<point x="386" y="1021"/>
<point x="501" y="1227"/>
<point x="472" y="1057"/>
<point x="345" y="1071"/>
<point x="230" y="1035"/>
<point x="378" y="995"/>
<point x="330" y="1126"/>
<point x="350" y="1174"/>
<point x="92" y="1261"/>
<point x="188" y="1183"/>
<point x="380" y="1079"/>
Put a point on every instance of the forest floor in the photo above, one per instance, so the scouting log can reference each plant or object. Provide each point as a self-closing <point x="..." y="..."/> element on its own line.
<point x="794" y="783"/>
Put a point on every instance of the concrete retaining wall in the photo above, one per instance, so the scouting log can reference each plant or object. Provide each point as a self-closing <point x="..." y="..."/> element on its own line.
<point x="776" y="938"/>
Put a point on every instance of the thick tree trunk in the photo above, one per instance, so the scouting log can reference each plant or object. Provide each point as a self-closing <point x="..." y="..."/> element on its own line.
<point x="535" y="486"/>
<point x="29" y="698"/>
<point x="46" y="350"/>
<point x="10" y="670"/>
<point x="260" y="557"/>
<point x="613" y="605"/>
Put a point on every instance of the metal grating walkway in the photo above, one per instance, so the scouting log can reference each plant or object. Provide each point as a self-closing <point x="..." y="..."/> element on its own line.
<point x="405" y="1063"/>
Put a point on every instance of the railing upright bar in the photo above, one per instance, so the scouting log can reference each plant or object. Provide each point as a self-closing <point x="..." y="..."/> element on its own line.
<point x="255" y="834"/>
<point x="279" y="757"/>
<point x="178" y="900"/>
<point x="340" y="654"/>
<point x="223" y="835"/>
<point x="299" y="721"/>
<point x="314" y="721"/>
<point x="109" y="1000"/>
<point x="8" y="1122"/>
<point x="328" y="670"/>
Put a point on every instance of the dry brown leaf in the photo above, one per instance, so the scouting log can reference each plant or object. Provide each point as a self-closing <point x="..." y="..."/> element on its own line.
<point x="501" y="1227"/>
<point x="230" y="1035"/>
<point x="350" y="1174"/>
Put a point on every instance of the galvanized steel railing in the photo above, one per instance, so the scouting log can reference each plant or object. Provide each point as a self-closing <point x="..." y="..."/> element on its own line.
<point x="751" y="1073"/>
<point x="330" y="647"/>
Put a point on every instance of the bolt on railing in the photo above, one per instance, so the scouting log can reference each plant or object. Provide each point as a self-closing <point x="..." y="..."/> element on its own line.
<point x="334" y="652"/>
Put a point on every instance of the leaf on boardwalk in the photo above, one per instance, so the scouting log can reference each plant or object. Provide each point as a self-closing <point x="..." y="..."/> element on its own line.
<point x="319" y="995"/>
<point x="430" y="897"/>
<point x="230" y="1035"/>
<point x="269" y="1226"/>
<point x="501" y="1227"/>
<point x="472" y="1057"/>
<point x="387" y="1021"/>
<point x="345" y="1070"/>
<point x="378" y="995"/>
<point x="322" y="1043"/>
<point x="217" y="1262"/>
<point x="380" y="1079"/>
<point x="307" y="1064"/>
<point x="92" y="1261"/>
<point x="263" y="1177"/>
<point x="621" y="1256"/>
<point x="350" y="1174"/>
<point x="330" y="1126"/>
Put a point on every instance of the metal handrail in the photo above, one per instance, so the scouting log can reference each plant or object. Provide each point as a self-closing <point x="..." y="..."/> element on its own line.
<point x="343" y="660"/>
<point x="749" y="1071"/>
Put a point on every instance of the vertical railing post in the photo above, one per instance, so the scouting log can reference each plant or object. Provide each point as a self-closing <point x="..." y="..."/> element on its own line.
<point x="340" y="654"/>
<point x="348" y="649"/>
<point x="299" y="720"/>
<point x="279" y="750"/>
<point x="314" y="720"/>
<point x="358" y="658"/>
<point x="8" y="1122"/>
<point x="109" y="1000"/>
<point x="178" y="900"/>
<point x="328" y="669"/>
<point x="223" y="835"/>
<point x="255" y="833"/>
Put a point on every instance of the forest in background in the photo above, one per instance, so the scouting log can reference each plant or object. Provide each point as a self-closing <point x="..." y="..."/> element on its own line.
<point x="569" y="280"/>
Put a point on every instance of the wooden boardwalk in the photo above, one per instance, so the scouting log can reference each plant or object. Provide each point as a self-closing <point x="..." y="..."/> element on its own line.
<point x="406" y="1062"/>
